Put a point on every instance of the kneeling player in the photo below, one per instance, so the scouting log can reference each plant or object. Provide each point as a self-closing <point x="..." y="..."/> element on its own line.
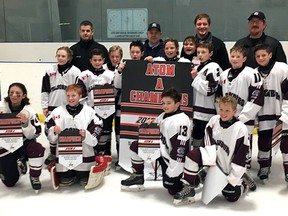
<point x="225" y="145"/>
<point x="83" y="120"/>
<point x="175" y="132"/>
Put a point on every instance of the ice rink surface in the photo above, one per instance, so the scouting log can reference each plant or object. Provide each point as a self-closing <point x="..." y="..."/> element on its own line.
<point x="155" y="200"/>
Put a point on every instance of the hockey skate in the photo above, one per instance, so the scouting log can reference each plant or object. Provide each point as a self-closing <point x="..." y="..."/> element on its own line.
<point x="249" y="181"/>
<point x="22" y="165"/>
<point x="134" y="183"/>
<point x="185" y="196"/>
<point x="35" y="183"/>
<point x="64" y="182"/>
<point x="263" y="174"/>
<point x="49" y="159"/>
<point x="117" y="166"/>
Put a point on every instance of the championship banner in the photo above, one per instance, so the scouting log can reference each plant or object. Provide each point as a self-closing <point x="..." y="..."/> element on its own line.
<point x="142" y="85"/>
<point x="149" y="142"/>
<point x="11" y="134"/>
<point x="70" y="148"/>
<point x="104" y="100"/>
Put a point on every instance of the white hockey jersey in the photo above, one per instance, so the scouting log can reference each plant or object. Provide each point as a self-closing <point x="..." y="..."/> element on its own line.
<point x="276" y="97"/>
<point x="248" y="90"/>
<point x="88" y="80"/>
<point x="54" y="84"/>
<point x="32" y="131"/>
<point x="87" y="120"/>
<point x="227" y="148"/>
<point x="175" y="141"/>
<point x="204" y="86"/>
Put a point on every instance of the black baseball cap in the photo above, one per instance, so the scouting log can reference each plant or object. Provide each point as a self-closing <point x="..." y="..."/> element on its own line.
<point x="154" y="25"/>
<point x="257" y="14"/>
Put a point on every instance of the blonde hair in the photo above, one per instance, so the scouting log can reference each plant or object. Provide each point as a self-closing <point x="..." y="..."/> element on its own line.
<point x="116" y="48"/>
<point x="228" y="99"/>
<point x="68" y="51"/>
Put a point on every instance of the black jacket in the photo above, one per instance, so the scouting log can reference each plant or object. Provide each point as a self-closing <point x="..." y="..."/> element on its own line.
<point x="275" y="46"/>
<point x="220" y="55"/>
<point x="81" y="53"/>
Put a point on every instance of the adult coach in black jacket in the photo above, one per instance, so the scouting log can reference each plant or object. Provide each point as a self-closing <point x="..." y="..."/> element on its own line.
<point x="257" y="24"/>
<point x="202" y="27"/>
<point x="82" y="49"/>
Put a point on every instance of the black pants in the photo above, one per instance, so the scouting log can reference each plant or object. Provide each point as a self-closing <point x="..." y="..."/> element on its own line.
<point x="9" y="173"/>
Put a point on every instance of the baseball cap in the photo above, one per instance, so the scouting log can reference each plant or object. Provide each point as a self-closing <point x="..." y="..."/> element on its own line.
<point x="154" y="25"/>
<point x="257" y="14"/>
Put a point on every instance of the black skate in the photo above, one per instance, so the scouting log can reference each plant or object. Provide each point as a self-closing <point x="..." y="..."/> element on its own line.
<point x="185" y="196"/>
<point x="134" y="183"/>
<point x="22" y="165"/>
<point x="249" y="181"/>
<point x="49" y="159"/>
<point x="35" y="183"/>
<point x="64" y="182"/>
<point x="263" y="173"/>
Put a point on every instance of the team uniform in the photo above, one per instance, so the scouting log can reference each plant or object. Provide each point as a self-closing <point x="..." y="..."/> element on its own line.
<point x="31" y="150"/>
<point x="118" y="87"/>
<point x="225" y="145"/>
<point x="80" y="117"/>
<point x="88" y="80"/>
<point x="233" y="82"/>
<point x="205" y="85"/>
<point x="175" y="131"/>
<point x="54" y="82"/>
<point x="275" y="83"/>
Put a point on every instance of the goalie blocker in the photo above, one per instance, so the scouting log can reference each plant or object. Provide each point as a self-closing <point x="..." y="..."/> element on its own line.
<point x="96" y="175"/>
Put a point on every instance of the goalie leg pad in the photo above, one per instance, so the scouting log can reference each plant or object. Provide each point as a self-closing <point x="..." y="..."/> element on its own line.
<point x="54" y="177"/>
<point x="97" y="173"/>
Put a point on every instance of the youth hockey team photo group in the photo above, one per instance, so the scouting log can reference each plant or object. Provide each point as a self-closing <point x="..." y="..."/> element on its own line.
<point x="185" y="115"/>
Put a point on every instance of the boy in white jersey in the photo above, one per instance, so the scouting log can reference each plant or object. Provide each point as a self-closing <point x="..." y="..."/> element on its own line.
<point x="245" y="84"/>
<point x="175" y="132"/>
<point x="75" y="116"/>
<point x="275" y="83"/>
<point x="225" y="145"/>
<point x="88" y="80"/>
<point x="205" y="84"/>
<point x="136" y="53"/>
<point x="56" y="79"/>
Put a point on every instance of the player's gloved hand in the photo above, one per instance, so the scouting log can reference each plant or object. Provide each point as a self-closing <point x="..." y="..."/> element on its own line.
<point x="231" y="193"/>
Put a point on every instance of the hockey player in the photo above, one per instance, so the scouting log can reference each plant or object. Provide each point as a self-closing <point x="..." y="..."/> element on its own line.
<point x="225" y="145"/>
<point x="115" y="56"/>
<point x="189" y="48"/>
<point x="75" y="116"/>
<point x="88" y="80"/>
<point x="245" y="84"/>
<point x="56" y="79"/>
<point x="136" y="53"/>
<point x="205" y="83"/>
<point x="175" y="131"/>
<point x="12" y="165"/>
<point x="171" y="50"/>
<point x="275" y="83"/>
